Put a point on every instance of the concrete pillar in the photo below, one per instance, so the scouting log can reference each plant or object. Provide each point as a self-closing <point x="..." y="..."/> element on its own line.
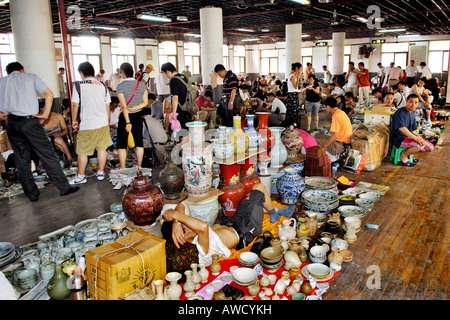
<point x="338" y="43"/>
<point x="293" y="46"/>
<point x="211" y="30"/>
<point x="32" y="28"/>
<point x="447" y="100"/>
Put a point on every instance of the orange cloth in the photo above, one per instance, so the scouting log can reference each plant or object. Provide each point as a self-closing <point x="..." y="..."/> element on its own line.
<point x="363" y="79"/>
<point x="341" y="124"/>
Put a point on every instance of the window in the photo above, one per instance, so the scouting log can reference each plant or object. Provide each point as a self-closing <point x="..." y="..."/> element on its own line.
<point x="226" y="57"/>
<point x="239" y="60"/>
<point x="85" y="49"/>
<point x="167" y="52"/>
<point x="122" y="50"/>
<point x="438" y="52"/>
<point x="347" y="54"/>
<point x="306" y="56"/>
<point x="269" y="61"/>
<point x="192" y="56"/>
<point x="7" y="52"/>
<point x="395" y="52"/>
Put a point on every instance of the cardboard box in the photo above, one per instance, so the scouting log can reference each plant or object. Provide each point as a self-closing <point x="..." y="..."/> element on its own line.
<point x="378" y="114"/>
<point x="4" y="141"/>
<point x="117" y="268"/>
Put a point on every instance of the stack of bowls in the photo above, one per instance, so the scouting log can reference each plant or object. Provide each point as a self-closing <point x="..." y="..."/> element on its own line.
<point x="26" y="278"/>
<point x="346" y="199"/>
<point x="244" y="276"/>
<point x="321" y="183"/>
<point x="7" y="252"/>
<point x="272" y="258"/>
<point x="320" y="200"/>
<point x="248" y="259"/>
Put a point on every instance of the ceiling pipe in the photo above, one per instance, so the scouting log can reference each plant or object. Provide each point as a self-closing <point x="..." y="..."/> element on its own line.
<point x="62" y="21"/>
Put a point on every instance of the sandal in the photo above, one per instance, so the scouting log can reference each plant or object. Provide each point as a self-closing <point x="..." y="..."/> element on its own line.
<point x="415" y="160"/>
<point x="406" y="164"/>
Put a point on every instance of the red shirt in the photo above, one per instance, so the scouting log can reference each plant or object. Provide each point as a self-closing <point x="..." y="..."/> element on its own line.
<point x="203" y="103"/>
<point x="363" y="79"/>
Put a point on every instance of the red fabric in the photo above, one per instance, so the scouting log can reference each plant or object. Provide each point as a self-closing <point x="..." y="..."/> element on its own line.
<point x="226" y="264"/>
<point x="411" y="143"/>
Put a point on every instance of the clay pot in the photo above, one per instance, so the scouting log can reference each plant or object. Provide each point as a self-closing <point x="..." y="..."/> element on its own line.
<point x="142" y="202"/>
<point x="306" y="287"/>
<point x="171" y="178"/>
<point x="294" y="272"/>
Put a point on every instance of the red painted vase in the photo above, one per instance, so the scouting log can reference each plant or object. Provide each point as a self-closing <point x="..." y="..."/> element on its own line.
<point x="142" y="202"/>
<point x="268" y="139"/>
<point x="232" y="188"/>
<point x="248" y="175"/>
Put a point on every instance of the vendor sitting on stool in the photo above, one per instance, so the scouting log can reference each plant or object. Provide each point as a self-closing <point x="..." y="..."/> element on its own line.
<point x="219" y="239"/>
<point x="341" y="128"/>
<point x="402" y="127"/>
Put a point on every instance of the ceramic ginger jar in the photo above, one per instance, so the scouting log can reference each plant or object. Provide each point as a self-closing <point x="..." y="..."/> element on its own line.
<point x="171" y="178"/>
<point x="238" y="137"/>
<point x="142" y="202"/>
<point x="197" y="161"/>
<point x="292" y="141"/>
<point x="290" y="186"/>
<point x="223" y="147"/>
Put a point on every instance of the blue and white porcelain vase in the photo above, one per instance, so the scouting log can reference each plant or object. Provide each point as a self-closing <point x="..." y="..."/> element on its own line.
<point x="253" y="135"/>
<point x="290" y="186"/>
<point x="278" y="151"/>
<point x="223" y="147"/>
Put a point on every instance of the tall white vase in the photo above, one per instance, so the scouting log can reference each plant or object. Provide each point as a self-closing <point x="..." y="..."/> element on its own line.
<point x="278" y="152"/>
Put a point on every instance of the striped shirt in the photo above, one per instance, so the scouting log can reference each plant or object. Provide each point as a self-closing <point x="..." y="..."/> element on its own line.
<point x="18" y="93"/>
<point x="230" y="82"/>
<point x="395" y="74"/>
<point x="127" y="87"/>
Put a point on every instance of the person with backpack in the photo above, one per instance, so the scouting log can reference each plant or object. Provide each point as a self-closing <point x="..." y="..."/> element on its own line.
<point x="144" y="75"/>
<point x="183" y="95"/>
<point x="180" y="227"/>
<point x="133" y="96"/>
<point x="93" y="99"/>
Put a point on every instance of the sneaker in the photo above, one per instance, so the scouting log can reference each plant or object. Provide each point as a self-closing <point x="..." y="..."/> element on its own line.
<point x="78" y="180"/>
<point x="100" y="176"/>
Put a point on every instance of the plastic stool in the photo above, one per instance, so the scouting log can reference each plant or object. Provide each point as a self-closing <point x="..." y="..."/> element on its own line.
<point x="395" y="155"/>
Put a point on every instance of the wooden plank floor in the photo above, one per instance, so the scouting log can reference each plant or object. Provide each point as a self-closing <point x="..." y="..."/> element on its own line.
<point x="411" y="246"/>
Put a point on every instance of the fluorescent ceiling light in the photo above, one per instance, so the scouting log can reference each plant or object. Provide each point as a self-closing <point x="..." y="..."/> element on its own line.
<point x="153" y="18"/>
<point x="305" y="35"/>
<point x="361" y="19"/>
<point x="409" y="35"/>
<point x="265" y="30"/>
<point x="104" y="28"/>
<point x="245" y="30"/>
<point x="182" y="18"/>
<point x="251" y="39"/>
<point x="392" y="30"/>
<point x="304" y="2"/>
<point x="3" y="2"/>
<point x="193" y="35"/>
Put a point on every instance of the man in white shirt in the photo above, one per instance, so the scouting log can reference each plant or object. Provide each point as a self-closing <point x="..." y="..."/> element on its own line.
<point x="114" y="80"/>
<point x="146" y="75"/>
<point x="326" y="76"/>
<point x="387" y="72"/>
<point x="426" y="72"/>
<point x="403" y="89"/>
<point x="336" y="90"/>
<point x="411" y="73"/>
<point x="93" y="98"/>
<point x="153" y="128"/>
<point x="352" y="80"/>
<point x="162" y="86"/>
<point x="380" y="74"/>
<point x="277" y="109"/>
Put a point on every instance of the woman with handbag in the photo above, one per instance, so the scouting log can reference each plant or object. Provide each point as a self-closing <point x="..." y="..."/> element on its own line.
<point x="133" y="96"/>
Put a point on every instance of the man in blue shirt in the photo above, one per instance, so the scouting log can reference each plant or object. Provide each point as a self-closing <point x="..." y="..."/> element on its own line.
<point x="402" y="127"/>
<point x="19" y="105"/>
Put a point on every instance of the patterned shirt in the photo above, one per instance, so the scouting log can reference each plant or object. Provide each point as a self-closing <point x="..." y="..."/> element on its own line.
<point x="230" y="82"/>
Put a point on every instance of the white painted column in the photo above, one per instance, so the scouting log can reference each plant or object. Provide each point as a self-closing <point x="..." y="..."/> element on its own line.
<point x="211" y="29"/>
<point x="447" y="100"/>
<point x="338" y="43"/>
<point x="293" y="46"/>
<point x="34" y="41"/>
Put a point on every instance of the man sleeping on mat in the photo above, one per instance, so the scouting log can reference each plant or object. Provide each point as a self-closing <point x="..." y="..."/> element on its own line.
<point x="246" y="224"/>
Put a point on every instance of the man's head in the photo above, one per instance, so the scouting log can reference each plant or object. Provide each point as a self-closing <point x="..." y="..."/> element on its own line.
<point x="141" y="66"/>
<point x="169" y="70"/>
<point x="379" y="65"/>
<point x="423" y="64"/>
<point x="263" y="77"/>
<point x="401" y="85"/>
<point x="330" y="104"/>
<point x="324" y="68"/>
<point x="389" y="98"/>
<point x="61" y="71"/>
<point x="149" y="68"/>
<point x="126" y="70"/>
<point x="412" y="63"/>
<point x="86" y="70"/>
<point x="412" y="102"/>
<point x="220" y="70"/>
<point x="351" y="65"/>
<point x="151" y="98"/>
<point x="377" y="93"/>
<point x="187" y="68"/>
<point x="244" y="88"/>
<point x="14" y="66"/>
<point x="392" y="64"/>
<point x="270" y="97"/>
<point x="118" y="71"/>
<point x="395" y="88"/>
<point x="361" y="66"/>
<point x="114" y="103"/>
<point x="264" y="87"/>
<point x="208" y="95"/>
<point x="349" y="96"/>
<point x="421" y="82"/>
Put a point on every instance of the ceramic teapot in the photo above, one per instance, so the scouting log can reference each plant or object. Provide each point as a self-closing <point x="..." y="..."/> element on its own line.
<point x="295" y="245"/>
<point x="287" y="229"/>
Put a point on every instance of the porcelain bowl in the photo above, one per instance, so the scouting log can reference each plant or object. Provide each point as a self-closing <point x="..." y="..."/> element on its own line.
<point x="370" y="195"/>
<point x="340" y="243"/>
<point x="245" y="275"/>
<point x="248" y="258"/>
<point x="318" y="270"/>
<point x="318" y="251"/>
<point x="272" y="254"/>
<point x="365" y="203"/>
<point x="352" y="211"/>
